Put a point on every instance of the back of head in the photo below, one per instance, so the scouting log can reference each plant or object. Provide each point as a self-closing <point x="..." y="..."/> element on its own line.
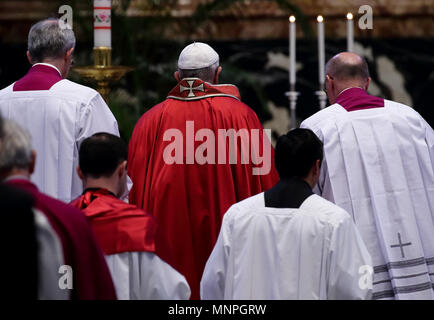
<point x="296" y="153"/>
<point x="16" y="147"/>
<point x="49" y="39"/>
<point x="100" y="155"/>
<point x="348" y="66"/>
<point x="198" y="60"/>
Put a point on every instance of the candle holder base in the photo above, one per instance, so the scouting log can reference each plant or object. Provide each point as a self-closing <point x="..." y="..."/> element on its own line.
<point x="102" y="76"/>
<point x="322" y="98"/>
<point x="102" y="72"/>
<point x="292" y="96"/>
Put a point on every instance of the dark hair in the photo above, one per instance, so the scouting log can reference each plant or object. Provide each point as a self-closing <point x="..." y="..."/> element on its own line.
<point x="296" y="153"/>
<point x="100" y="154"/>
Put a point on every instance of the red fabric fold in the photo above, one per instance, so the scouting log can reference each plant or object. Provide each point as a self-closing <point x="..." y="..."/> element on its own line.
<point x="118" y="226"/>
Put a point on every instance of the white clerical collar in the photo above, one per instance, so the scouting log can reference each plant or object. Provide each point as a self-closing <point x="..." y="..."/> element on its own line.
<point x="349" y="89"/>
<point x="16" y="177"/>
<point x="48" y="65"/>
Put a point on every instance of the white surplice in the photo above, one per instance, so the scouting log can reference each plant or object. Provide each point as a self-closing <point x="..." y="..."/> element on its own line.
<point x="50" y="259"/>
<point x="144" y="276"/>
<point x="313" y="252"/>
<point x="58" y="119"/>
<point x="379" y="166"/>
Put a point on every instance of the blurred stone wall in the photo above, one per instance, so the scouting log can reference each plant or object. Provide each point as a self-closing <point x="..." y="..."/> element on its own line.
<point x="246" y="20"/>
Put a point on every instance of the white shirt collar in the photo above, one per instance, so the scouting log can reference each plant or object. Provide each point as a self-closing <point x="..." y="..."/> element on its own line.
<point x="348" y="89"/>
<point x="48" y="65"/>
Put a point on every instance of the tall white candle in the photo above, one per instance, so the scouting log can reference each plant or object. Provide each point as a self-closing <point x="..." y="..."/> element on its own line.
<point x="350" y="32"/>
<point x="292" y="66"/>
<point x="102" y="23"/>
<point x="321" y="51"/>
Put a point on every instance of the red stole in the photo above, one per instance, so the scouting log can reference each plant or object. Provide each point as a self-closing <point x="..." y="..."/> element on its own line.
<point x="39" y="77"/>
<point x="354" y="99"/>
<point x="194" y="89"/>
<point x="118" y="226"/>
<point x="91" y="276"/>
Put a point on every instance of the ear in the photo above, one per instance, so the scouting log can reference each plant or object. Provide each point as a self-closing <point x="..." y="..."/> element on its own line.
<point x="368" y="82"/>
<point x="32" y="162"/>
<point x="176" y="75"/>
<point x="217" y="74"/>
<point x="317" y="167"/>
<point x="330" y="80"/>
<point x="316" y="171"/>
<point x="69" y="54"/>
<point x="122" y="168"/>
<point x="29" y="57"/>
<point x="80" y="173"/>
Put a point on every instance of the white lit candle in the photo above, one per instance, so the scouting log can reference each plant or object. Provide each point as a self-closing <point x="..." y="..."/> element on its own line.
<point x="102" y="23"/>
<point x="321" y="51"/>
<point x="350" y="32"/>
<point x="292" y="53"/>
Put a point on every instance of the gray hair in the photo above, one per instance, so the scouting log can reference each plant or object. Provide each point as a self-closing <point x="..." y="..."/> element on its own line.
<point x="206" y="74"/>
<point x="49" y="39"/>
<point x="16" y="147"/>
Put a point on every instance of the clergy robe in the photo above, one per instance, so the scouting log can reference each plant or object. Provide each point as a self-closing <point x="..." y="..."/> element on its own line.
<point x="20" y="259"/>
<point x="126" y="235"/>
<point x="31" y="253"/>
<point x="91" y="277"/>
<point x="59" y="115"/>
<point x="379" y="166"/>
<point x="266" y="253"/>
<point x="188" y="199"/>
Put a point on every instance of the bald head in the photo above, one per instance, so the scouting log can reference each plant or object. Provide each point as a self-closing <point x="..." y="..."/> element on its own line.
<point x="345" y="70"/>
<point x="347" y="66"/>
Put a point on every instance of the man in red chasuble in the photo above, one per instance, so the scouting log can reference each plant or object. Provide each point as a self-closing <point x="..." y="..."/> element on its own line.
<point x="193" y="156"/>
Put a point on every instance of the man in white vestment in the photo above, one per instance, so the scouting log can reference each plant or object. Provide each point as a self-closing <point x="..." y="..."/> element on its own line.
<point x="58" y="113"/>
<point x="287" y="242"/>
<point x="125" y="232"/>
<point x="379" y="166"/>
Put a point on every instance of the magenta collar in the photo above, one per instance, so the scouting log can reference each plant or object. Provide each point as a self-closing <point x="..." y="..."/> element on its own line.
<point x="354" y="99"/>
<point x="39" y="77"/>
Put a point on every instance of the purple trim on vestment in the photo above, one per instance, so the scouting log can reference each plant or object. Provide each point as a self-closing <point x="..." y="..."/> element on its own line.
<point x="358" y="99"/>
<point x="39" y="77"/>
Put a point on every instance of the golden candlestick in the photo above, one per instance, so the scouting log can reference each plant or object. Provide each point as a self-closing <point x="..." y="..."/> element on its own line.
<point x="102" y="72"/>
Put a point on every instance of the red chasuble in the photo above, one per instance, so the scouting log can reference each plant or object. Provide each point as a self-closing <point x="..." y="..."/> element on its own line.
<point x="118" y="226"/>
<point x="186" y="195"/>
<point x="91" y="277"/>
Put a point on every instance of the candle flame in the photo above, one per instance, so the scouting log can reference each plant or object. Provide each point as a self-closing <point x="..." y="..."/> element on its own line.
<point x="291" y="19"/>
<point x="320" y="18"/>
<point x="349" y="16"/>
